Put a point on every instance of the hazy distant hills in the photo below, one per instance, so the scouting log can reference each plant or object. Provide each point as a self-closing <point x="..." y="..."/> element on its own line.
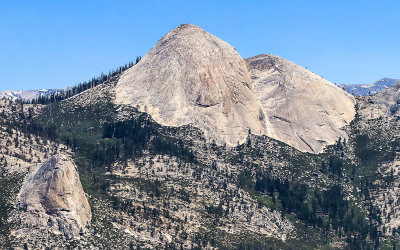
<point x="369" y="89"/>
<point x="28" y="94"/>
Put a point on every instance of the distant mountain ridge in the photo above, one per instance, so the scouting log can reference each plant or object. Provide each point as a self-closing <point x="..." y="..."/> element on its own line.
<point x="45" y="96"/>
<point x="369" y="89"/>
<point x="29" y="94"/>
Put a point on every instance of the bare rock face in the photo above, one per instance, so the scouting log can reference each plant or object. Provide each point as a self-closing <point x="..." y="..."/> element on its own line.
<point x="52" y="197"/>
<point x="192" y="77"/>
<point x="301" y="109"/>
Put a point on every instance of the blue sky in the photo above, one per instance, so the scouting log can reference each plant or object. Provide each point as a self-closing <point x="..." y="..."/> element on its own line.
<point x="52" y="44"/>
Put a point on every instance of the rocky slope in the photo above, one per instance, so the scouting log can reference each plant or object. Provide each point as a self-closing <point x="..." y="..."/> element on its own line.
<point x="192" y="77"/>
<point x="301" y="109"/>
<point x="18" y="149"/>
<point x="383" y="104"/>
<point x="52" y="198"/>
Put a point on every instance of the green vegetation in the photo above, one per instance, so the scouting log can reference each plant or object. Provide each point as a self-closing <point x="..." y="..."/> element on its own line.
<point x="9" y="185"/>
<point x="317" y="193"/>
<point x="79" y="88"/>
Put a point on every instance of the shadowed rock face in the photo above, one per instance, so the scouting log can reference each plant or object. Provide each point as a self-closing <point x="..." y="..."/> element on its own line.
<point x="301" y="109"/>
<point x="192" y="77"/>
<point x="52" y="197"/>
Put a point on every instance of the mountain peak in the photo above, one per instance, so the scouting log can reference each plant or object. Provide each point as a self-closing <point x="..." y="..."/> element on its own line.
<point x="193" y="77"/>
<point x="188" y="37"/>
<point x="184" y="30"/>
<point x="188" y="26"/>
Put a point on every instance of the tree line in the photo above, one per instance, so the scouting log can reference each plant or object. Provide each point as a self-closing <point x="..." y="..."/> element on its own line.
<point x="136" y="135"/>
<point x="327" y="209"/>
<point x="79" y="88"/>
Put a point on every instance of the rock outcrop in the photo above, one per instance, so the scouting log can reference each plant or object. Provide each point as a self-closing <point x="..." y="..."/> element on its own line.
<point x="52" y="198"/>
<point x="382" y="104"/>
<point x="301" y="109"/>
<point x="192" y="77"/>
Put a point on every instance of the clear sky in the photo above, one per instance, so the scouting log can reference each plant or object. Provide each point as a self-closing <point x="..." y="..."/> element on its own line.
<point x="53" y="44"/>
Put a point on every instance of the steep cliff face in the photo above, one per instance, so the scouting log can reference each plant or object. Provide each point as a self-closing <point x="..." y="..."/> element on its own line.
<point x="301" y="109"/>
<point x="192" y="77"/>
<point x="52" y="197"/>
